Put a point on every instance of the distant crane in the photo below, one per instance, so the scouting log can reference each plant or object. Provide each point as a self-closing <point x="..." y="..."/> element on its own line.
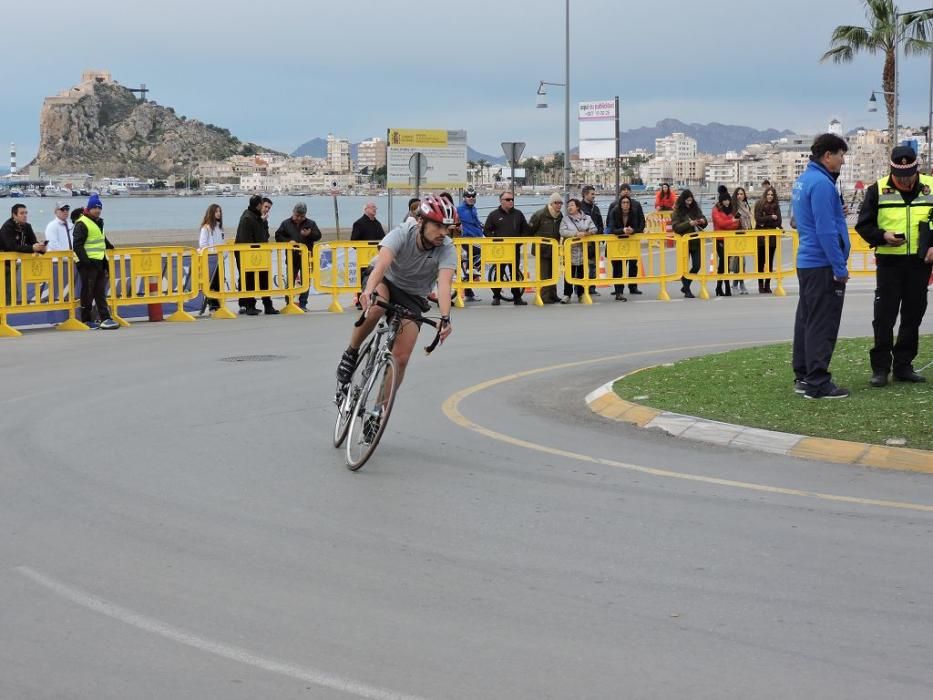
<point x="142" y="90"/>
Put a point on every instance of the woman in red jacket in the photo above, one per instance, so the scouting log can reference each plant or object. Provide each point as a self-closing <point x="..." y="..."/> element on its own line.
<point x="664" y="200"/>
<point x="725" y="218"/>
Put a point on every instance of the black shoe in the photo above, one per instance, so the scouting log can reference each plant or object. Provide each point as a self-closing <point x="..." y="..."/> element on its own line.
<point x="718" y="291"/>
<point x="800" y="386"/>
<point x="359" y="306"/>
<point x="251" y="311"/>
<point x="827" y="391"/>
<point x="347" y="365"/>
<point x="594" y="293"/>
<point x="271" y="311"/>
<point x="243" y="310"/>
<point x="621" y="297"/>
<point x="912" y="377"/>
<point x="879" y="379"/>
<point x="636" y="290"/>
<point x="688" y="294"/>
<point x="496" y="301"/>
<point x="520" y="302"/>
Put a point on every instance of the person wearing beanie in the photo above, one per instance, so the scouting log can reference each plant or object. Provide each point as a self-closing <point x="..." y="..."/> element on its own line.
<point x="725" y="218"/>
<point x="546" y="224"/>
<point x="90" y="247"/>
<point x="253" y="229"/>
<point x="895" y="221"/>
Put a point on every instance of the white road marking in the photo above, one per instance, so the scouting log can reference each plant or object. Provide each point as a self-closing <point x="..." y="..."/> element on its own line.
<point x="243" y="656"/>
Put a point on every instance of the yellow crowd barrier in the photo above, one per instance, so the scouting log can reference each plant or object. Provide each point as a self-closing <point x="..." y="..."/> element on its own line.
<point x="338" y="267"/>
<point x="265" y="270"/>
<point x="658" y="222"/>
<point x="31" y="283"/>
<point x="163" y="275"/>
<point x="495" y="263"/>
<point x="646" y="250"/>
<point x="743" y="245"/>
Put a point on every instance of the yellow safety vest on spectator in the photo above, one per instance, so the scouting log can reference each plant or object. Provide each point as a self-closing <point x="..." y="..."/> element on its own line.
<point x="896" y="216"/>
<point x="95" y="245"/>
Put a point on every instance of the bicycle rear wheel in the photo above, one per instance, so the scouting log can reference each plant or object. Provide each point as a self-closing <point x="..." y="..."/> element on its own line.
<point x="347" y="396"/>
<point x="370" y="414"/>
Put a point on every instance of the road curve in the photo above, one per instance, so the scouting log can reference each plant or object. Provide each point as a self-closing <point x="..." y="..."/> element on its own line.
<point x="173" y="524"/>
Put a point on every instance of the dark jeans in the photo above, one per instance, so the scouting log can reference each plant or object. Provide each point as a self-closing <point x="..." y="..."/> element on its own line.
<point x="94" y="277"/>
<point x="577" y="272"/>
<point x="819" y="311"/>
<point x="592" y="263"/>
<point x="772" y="245"/>
<point x="693" y="247"/>
<point x="296" y="274"/>
<point x="617" y="268"/>
<point x="901" y="288"/>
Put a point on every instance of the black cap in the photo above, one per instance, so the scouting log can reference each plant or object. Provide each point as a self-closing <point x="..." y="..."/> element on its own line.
<point x="903" y="161"/>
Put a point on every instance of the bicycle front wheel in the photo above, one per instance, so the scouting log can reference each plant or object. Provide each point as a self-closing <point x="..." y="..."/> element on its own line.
<point x="371" y="412"/>
<point x="347" y="395"/>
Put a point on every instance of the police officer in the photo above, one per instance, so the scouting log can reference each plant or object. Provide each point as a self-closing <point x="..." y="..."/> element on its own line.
<point x="890" y="220"/>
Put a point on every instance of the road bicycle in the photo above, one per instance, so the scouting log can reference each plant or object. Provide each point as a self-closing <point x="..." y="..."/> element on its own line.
<point x="365" y="403"/>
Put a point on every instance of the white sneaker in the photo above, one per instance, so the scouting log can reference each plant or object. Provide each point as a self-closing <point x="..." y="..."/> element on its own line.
<point x="109" y="325"/>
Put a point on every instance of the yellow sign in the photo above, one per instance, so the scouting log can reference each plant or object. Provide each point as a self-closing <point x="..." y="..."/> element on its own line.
<point x="147" y="265"/>
<point x="740" y="246"/>
<point x="255" y="260"/>
<point x="37" y="270"/>
<point x="623" y="249"/>
<point x="428" y="138"/>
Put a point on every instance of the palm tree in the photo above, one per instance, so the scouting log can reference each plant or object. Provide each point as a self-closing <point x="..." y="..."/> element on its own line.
<point x="884" y="33"/>
<point x="483" y="164"/>
<point x="471" y="170"/>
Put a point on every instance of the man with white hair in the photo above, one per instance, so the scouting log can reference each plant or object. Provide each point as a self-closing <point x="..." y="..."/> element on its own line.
<point x="368" y="227"/>
<point x="546" y="223"/>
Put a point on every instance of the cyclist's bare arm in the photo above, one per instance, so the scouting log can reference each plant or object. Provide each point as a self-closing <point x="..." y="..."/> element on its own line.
<point x="444" y="284"/>
<point x="383" y="260"/>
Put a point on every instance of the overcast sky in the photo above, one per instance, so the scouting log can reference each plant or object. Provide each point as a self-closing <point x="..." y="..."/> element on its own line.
<point x="281" y="72"/>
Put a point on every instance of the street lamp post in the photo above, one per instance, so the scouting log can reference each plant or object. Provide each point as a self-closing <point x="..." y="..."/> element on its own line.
<point x="542" y="103"/>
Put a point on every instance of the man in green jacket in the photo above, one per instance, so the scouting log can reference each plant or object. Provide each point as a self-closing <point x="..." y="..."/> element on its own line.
<point x="546" y="224"/>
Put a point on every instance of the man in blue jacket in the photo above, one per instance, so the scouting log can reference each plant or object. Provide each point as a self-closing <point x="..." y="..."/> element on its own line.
<point x="822" y="257"/>
<point x="470" y="227"/>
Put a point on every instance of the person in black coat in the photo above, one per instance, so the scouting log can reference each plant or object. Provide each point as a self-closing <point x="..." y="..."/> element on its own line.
<point x="625" y="220"/>
<point x="298" y="228"/>
<point x="368" y="227"/>
<point x="507" y="222"/>
<point x="253" y="229"/>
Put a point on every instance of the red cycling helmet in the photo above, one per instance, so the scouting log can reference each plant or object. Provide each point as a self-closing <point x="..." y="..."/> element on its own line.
<point x="439" y="210"/>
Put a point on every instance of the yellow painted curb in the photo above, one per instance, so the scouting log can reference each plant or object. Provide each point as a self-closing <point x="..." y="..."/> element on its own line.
<point x="610" y="405"/>
<point x="828" y="450"/>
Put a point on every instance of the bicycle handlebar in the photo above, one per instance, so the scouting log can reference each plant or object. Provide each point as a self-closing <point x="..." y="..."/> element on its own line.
<point x="406" y="313"/>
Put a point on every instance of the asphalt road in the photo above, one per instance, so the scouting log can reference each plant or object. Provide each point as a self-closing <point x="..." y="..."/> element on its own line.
<point x="175" y="525"/>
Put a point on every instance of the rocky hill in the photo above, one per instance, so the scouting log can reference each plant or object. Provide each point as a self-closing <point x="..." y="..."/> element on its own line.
<point x="101" y="127"/>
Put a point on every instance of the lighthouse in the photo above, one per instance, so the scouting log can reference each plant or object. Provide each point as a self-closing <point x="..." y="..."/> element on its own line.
<point x="12" y="159"/>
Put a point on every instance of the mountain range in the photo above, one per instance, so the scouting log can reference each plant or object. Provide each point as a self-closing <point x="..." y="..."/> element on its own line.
<point x="711" y="138"/>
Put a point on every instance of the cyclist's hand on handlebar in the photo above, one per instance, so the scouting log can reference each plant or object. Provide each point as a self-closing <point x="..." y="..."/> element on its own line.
<point x="445" y="330"/>
<point x="366" y="301"/>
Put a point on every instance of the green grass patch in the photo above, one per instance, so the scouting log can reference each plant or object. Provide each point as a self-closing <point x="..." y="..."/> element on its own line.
<point x="754" y="387"/>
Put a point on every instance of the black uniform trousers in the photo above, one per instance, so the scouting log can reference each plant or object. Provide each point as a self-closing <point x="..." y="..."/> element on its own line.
<point x="94" y="277"/>
<point x="816" y="328"/>
<point x="901" y="288"/>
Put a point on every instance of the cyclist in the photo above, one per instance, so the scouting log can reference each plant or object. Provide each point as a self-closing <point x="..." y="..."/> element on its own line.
<point x="411" y="259"/>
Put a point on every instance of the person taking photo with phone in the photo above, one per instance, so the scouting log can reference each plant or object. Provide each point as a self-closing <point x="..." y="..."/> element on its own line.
<point x="895" y="220"/>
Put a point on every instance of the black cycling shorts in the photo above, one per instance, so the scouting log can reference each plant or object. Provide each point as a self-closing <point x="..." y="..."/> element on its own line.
<point x="413" y="302"/>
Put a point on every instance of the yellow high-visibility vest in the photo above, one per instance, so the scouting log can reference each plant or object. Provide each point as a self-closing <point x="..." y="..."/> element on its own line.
<point x="896" y="216"/>
<point x="95" y="246"/>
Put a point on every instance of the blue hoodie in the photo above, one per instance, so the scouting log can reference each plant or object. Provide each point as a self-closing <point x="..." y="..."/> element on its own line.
<point x="469" y="221"/>
<point x="821" y="222"/>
